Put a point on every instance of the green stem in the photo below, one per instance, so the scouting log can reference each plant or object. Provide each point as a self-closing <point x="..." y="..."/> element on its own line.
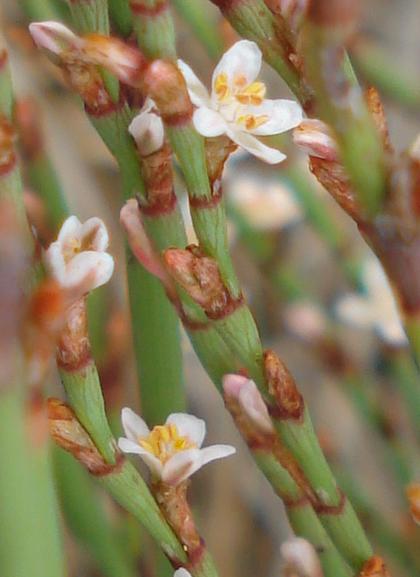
<point x="154" y="28"/>
<point x="86" y="517"/>
<point x="120" y="15"/>
<point x="29" y="532"/>
<point x="195" y="13"/>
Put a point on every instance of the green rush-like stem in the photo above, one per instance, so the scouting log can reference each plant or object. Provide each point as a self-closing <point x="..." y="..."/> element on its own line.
<point x="384" y="532"/>
<point x="205" y="28"/>
<point x="392" y="81"/>
<point x="44" y="181"/>
<point x="87" y="519"/>
<point x="130" y="491"/>
<point x="83" y="390"/>
<point x="120" y="16"/>
<point x="406" y="379"/>
<point x="159" y="360"/>
<point x="217" y="360"/>
<point x="38" y="10"/>
<point x="154" y="28"/>
<point x="344" y="109"/>
<point x="29" y="531"/>
<point x="209" y="221"/>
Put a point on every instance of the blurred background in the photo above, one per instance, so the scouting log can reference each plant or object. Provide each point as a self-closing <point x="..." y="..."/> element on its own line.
<point x="301" y="262"/>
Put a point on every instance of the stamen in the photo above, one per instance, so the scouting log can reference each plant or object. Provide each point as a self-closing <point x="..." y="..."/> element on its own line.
<point x="221" y="87"/>
<point x="250" y="121"/>
<point x="253" y="94"/>
<point x="164" y="441"/>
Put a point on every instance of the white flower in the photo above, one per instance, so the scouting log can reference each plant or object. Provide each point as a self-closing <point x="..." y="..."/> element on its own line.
<point x="301" y="559"/>
<point x="246" y="393"/>
<point x="181" y="572"/>
<point x="78" y="255"/>
<point x="377" y="309"/>
<point x="265" y="205"/>
<point x="237" y="105"/>
<point x="147" y="129"/>
<point x="171" y="451"/>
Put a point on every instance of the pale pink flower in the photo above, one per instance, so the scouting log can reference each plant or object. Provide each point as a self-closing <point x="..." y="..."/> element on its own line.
<point x="246" y="393"/>
<point x="147" y="129"/>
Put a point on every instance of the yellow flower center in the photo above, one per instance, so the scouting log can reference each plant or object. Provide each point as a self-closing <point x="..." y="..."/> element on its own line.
<point x="164" y="441"/>
<point x="250" y="121"/>
<point x="72" y="247"/>
<point x="248" y="94"/>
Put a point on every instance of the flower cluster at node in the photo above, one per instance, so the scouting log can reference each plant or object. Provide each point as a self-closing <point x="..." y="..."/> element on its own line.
<point x="237" y="105"/>
<point x="171" y="451"/>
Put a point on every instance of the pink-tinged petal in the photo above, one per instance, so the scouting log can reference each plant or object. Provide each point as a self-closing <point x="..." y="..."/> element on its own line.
<point x="181" y="466"/>
<point x="54" y="36"/>
<point x="314" y="137"/>
<point x="232" y="384"/>
<point x="196" y="89"/>
<point x="254" y="406"/>
<point x="54" y="261"/>
<point x="71" y="228"/>
<point x="189" y="426"/>
<point x="214" y="452"/>
<point x="255" y="147"/>
<point x="134" y="426"/>
<point x="148" y="131"/>
<point x="208" y="122"/>
<point x="152" y="462"/>
<point x="95" y="230"/>
<point x="282" y="115"/>
<point x="244" y="58"/>
<point x="98" y="265"/>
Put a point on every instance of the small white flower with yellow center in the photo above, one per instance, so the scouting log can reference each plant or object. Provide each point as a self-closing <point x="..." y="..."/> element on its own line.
<point x="237" y="105"/>
<point x="376" y="309"/>
<point x="147" y="129"/>
<point x="171" y="451"/>
<point x="78" y="257"/>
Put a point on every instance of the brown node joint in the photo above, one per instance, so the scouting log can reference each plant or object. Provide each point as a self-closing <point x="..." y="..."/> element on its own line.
<point x="177" y="118"/>
<point x="324" y="509"/>
<point x="4" y="57"/>
<point x="291" y="503"/>
<point x="203" y="202"/>
<point x="230" y="306"/>
<point x="107" y="468"/>
<point x="139" y="7"/>
<point x="374" y="567"/>
<point x="103" y="105"/>
<point x="159" y="205"/>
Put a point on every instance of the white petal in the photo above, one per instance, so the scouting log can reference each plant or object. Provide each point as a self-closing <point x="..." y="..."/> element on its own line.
<point x="148" y="132"/>
<point x="98" y="266"/>
<point x="255" y="147"/>
<point x="181" y="466"/>
<point x="54" y="260"/>
<point x="53" y="36"/>
<point x="152" y="462"/>
<point x="214" y="452"/>
<point x="71" y="228"/>
<point x="253" y="405"/>
<point x="189" y="426"/>
<point x="130" y="447"/>
<point x="181" y="572"/>
<point x="355" y="310"/>
<point x="134" y="426"/>
<point x="208" y="122"/>
<point x="243" y="58"/>
<point x="392" y="332"/>
<point x="95" y="228"/>
<point x="198" y="92"/>
<point x="283" y="115"/>
<point x="232" y="384"/>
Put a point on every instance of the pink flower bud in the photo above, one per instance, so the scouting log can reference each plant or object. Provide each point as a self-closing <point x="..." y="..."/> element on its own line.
<point x="315" y="138"/>
<point x="245" y="392"/>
